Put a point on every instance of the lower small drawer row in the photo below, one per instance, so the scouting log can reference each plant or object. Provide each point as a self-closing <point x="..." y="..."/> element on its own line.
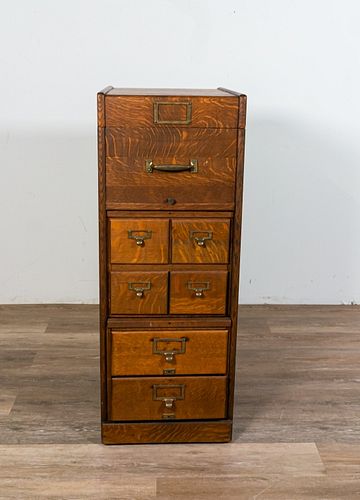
<point x="163" y="292"/>
<point x="172" y="398"/>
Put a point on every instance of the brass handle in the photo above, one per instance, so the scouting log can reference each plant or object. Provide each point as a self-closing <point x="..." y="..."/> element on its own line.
<point x="198" y="287"/>
<point x="169" y="401"/>
<point x="139" y="288"/>
<point x="200" y="240"/>
<point x="192" y="167"/>
<point x="139" y="238"/>
<point x="169" y="354"/>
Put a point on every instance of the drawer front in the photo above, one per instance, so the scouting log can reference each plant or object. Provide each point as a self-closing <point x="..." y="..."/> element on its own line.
<point x="138" y="292"/>
<point x="139" y="241"/>
<point x="166" y="398"/>
<point x="198" y="292"/>
<point x="155" y="111"/>
<point x="197" y="241"/>
<point x="184" y="352"/>
<point x="208" y="185"/>
<point x="168" y="142"/>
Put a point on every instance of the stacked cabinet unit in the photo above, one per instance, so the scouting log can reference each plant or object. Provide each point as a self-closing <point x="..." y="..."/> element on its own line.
<point x="170" y="202"/>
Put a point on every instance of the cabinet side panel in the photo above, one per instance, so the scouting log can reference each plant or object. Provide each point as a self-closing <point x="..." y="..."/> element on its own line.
<point x="102" y="249"/>
<point x="235" y="259"/>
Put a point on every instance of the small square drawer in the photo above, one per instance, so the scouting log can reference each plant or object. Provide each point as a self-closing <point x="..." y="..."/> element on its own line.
<point x="138" y="241"/>
<point x="198" y="292"/>
<point x="164" y="398"/>
<point x="138" y="292"/>
<point x="197" y="241"/>
<point x="173" y="352"/>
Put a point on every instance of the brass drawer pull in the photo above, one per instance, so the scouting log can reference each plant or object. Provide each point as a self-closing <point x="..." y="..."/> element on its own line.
<point x="139" y="238"/>
<point x="158" y="120"/>
<point x="192" y="167"/>
<point x="139" y="288"/>
<point x="200" y="240"/>
<point x="169" y="401"/>
<point x="198" y="287"/>
<point x="169" y="354"/>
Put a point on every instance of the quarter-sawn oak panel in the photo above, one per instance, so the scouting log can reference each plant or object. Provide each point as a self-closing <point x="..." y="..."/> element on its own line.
<point x="138" y="111"/>
<point x="132" y="352"/>
<point x="132" y="398"/>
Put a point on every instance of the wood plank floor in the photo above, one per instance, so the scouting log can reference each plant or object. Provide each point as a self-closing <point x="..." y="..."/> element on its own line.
<point x="297" y="412"/>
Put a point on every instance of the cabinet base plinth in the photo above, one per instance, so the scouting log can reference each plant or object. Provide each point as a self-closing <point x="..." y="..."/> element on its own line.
<point x="166" y="432"/>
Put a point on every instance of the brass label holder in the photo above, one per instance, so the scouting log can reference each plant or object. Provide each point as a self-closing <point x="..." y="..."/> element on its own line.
<point x="136" y="234"/>
<point x="198" y="287"/>
<point x="139" y="287"/>
<point x="169" y="353"/>
<point x="201" y="240"/>
<point x="159" y="121"/>
<point x="169" y="401"/>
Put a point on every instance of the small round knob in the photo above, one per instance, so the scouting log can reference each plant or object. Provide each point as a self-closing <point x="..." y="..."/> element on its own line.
<point x="199" y="293"/>
<point x="140" y="293"/>
<point x="201" y="243"/>
<point x="140" y="243"/>
<point x="170" y="201"/>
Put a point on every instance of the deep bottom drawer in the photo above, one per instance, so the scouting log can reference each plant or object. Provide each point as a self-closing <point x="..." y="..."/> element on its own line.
<point x="168" y="352"/>
<point x="158" y="398"/>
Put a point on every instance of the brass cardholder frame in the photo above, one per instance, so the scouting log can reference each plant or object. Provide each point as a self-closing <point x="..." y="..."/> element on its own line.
<point x="158" y="120"/>
<point x="169" y="353"/>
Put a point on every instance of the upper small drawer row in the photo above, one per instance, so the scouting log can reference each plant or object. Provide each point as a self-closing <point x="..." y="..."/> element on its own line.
<point x="180" y="111"/>
<point x="146" y="241"/>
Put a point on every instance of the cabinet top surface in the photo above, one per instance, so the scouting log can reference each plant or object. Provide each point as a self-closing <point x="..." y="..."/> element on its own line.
<point x="171" y="92"/>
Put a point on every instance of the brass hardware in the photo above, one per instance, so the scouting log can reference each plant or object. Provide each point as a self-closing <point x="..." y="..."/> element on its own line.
<point x="168" y="400"/>
<point x="200" y="240"/>
<point x="158" y="120"/>
<point x="169" y="371"/>
<point x="192" y="167"/>
<point x="168" y="415"/>
<point x="198" y="287"/>
<point x="170" y="201"/>
<point x="139" y="238"/>
<point x="169" y="354"/>
<point x="139" y="288"/>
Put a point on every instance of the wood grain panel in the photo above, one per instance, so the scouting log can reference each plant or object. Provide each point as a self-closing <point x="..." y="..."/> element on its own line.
<point x="195" y="322"/>
<point x="167" y="432"/>
<point x="132" y="352"/>
<point x="125" y="301"/>
<point x="102" y="246"/>
<point x="186" y="249"/>
<point x="129" y="186"/>
<point x="183" y="300"/>
<point x="138" y="111"/>
<point x="203" y="398"/>
<point x="170" y="141"/>
<point x="125" y="250"/>
<point x="168" y="214"/>
<point x="235" y="264"/>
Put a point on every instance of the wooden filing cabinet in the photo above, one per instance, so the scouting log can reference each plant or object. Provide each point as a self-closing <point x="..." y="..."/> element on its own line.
<point x="170" y="205"/>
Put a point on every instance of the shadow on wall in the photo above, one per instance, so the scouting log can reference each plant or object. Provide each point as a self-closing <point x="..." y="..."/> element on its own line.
<point x="301" y="226"/>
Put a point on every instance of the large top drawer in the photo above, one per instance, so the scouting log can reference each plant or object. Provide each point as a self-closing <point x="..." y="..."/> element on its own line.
<point x="164" y="111"/>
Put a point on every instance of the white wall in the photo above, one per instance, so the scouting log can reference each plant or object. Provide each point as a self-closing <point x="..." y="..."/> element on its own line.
<point x="298" y="62"/>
